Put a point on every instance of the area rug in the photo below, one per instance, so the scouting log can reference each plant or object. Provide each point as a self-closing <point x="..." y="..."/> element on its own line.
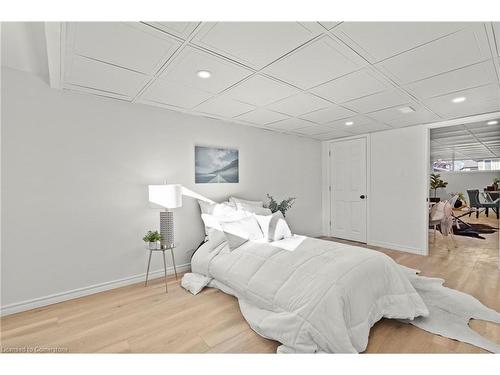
<point x="450" y="312"/>
<point x="474" y="230"/>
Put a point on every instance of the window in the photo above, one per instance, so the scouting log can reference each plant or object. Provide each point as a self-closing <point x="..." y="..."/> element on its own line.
<point x="466" y="165"/>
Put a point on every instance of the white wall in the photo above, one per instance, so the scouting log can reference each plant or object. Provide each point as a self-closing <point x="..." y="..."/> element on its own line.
<point x="75" y="170"/>
<point x="398" y="212"/>
<point x="463" y="181"/>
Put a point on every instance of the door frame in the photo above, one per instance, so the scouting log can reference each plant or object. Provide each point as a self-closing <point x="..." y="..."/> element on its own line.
<point x="442" y="124"/>
<point x="327" y="182"/>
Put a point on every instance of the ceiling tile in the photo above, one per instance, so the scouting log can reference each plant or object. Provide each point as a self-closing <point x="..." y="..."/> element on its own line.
<point x="332" y="113"/>
<point x="460" y="79"/>
<point x="482" y="99"/>
<point x="332" y="135"/>
<point x="260" y="91"/>
<point x="97" y="75"/>
<point x="224" y="106"/>
<point x="171" y="93"/>
<point x="357" y="120"/>
<point x="261" y="117"/>
<point x="380" y="40"/>
<point x="179" y="29"/>
<point x="255" y="44"/>
<point x="351" y="86"/>
<point x="312" y="130"/>
<point x="329" y="25"/>
<point x="291" y="124"/>
<point x="496" y="30"/>
<point x="454" y="51"/>
<point x="316" y="63"/>
<point x="394" y="117"/>
<point x="191" y="60"/>
<point x="121" y="44"/>
<point x="381" y="100"/>
<point x="369" y="128"/>
<point x="299" y="104"/>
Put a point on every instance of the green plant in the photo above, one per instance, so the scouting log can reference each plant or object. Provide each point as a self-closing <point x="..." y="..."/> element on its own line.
<point x="283" y="206"/>
<point x="496" y="181"/>
<point x="437" y="182"/>
<point x="152" y="236"/>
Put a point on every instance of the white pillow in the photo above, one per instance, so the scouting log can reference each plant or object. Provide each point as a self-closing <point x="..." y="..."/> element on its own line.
<point x="213" y="221"/>
<point x="194" y="282"/>
<point x="235" y="201"/>
<point x="254" y="209"/>
<point x="240" y="231"/>
<point x="274" y="227"/>
<point x="216" y="208"/>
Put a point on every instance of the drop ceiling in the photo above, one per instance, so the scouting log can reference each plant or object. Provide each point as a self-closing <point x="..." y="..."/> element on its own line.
<point x="466" y="142"/>
<point x="302" y="78"/>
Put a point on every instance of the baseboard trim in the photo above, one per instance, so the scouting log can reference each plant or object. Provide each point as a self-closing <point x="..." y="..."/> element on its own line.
<point x="85" y="291"/>
<point x="392" y="246"/>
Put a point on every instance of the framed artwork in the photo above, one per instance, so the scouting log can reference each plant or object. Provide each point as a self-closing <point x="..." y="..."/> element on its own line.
<point x="213" y="165"/>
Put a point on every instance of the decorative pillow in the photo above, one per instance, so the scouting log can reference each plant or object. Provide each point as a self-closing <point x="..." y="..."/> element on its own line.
<point x="240" y="231"/>
<point x="213" y="221"/>
<point x="274" y="227"/>
<point x="253" y="209"/>
<point x="235" y="201"/>
<point x="194" y="282"/>
<point x="223" y="208"/>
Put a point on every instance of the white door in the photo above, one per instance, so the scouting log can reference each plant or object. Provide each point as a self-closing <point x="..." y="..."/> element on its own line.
<point x="348" y="189"/>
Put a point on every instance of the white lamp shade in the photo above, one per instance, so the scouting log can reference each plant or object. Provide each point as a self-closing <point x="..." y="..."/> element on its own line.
<point x="168" y="196"/>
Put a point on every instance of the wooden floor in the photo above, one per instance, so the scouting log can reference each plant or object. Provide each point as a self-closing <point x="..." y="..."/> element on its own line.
<point x="146" y="320"/>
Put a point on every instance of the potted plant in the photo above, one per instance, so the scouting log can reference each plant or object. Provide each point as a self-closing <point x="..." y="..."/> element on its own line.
<point x="152" y="239"/>
<point x="436" y="183"/>
<point x="283" y="206"/>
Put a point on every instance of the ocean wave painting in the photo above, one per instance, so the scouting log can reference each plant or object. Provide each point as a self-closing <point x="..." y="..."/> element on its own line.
<point x="216" y="165"/>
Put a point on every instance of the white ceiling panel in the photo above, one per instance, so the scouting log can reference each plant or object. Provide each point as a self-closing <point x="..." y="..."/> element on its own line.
<point x="174" y="94"/>
<point x="262" y="116"/>
<point x="482" y="99"/>
<point x="179" y="29"/>
<point x="456" y="80"/>
<point x="496" y="31"/>
<point x="466" y="47"/>
<point x="299" y="104"/>
<point x="312" y="130"/>
<point x="381" y="100"/>
<point x="369" y="128"/>
<point x="291" y="124"/>
<point x="394" y="117"/>
<point x="260" y="91"/>
<point x="358" y="120"/>
<point x="351" y="86"/>
<point x="121" y="44"/>
<point x="381" y="40"/>
<point x="224" y="106"/>
<point x="184" y="70"/>
<point x="316" y="63"/>
<point x="255" y="44"/>
<point x="332" y="113"/>
<point x="332" y="135"/>
<point x="105" y="77"/>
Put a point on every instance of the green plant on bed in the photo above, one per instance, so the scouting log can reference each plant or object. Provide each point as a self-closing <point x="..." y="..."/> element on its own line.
<point x="151" y="236"/>
<point x="283" y="206"/>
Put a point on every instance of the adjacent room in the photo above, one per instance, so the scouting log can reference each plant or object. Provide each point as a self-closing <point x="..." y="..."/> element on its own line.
<point x="250" y="187"/>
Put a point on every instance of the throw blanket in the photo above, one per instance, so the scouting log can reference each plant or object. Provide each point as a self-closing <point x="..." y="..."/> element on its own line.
<point x="317" y="296"/>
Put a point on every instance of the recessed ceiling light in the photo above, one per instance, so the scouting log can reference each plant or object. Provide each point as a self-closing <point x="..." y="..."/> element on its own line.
<point x="203" y="74"/>
<point x="494" y="122"/>
<point x="460" y="99"/>
<point x="406" y="110"/>
<point x="349" y="123"/>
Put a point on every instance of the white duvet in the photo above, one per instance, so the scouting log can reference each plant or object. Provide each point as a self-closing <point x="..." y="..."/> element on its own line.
<point x="311" y="295"/>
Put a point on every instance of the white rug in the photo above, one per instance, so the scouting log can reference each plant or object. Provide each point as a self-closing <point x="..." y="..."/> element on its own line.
<point x="450" y="312"/>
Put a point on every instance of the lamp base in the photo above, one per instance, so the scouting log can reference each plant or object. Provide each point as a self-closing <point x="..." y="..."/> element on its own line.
<point x="167" y="229"/>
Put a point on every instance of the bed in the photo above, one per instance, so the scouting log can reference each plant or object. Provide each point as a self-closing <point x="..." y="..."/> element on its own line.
<point x="310" y="295"/>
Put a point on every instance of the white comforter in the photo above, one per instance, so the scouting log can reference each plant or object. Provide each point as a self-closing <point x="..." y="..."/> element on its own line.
<point x="311" y="295"/>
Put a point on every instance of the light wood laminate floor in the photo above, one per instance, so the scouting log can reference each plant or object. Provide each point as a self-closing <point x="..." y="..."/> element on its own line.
<point x="146" y="320"/>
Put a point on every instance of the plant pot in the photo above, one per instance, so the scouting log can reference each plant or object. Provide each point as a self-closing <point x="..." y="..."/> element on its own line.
<point x="152" y="245"/>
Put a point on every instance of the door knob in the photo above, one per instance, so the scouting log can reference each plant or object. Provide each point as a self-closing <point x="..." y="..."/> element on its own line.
<point x="362" y="196"/>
